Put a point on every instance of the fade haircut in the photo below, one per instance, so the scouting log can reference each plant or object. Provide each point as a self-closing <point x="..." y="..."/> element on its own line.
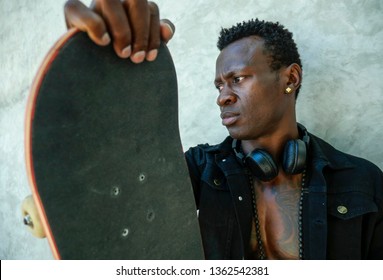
<point x="278" y="41"/>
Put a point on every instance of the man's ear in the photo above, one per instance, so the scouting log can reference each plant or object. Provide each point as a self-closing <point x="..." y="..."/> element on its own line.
<point x="294" y="73"/>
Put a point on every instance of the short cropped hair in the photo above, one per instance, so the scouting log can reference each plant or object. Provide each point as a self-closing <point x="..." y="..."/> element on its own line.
<point x="278" y="41"/>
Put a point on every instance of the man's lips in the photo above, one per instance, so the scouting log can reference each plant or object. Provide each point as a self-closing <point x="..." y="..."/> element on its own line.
<point x="228" y="118"/>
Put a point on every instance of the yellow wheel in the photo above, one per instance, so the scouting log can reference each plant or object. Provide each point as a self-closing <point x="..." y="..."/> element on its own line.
<point x="31" y="217"/>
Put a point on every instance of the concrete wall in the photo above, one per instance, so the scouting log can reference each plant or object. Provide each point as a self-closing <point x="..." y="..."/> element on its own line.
<point x="341" y="100"/>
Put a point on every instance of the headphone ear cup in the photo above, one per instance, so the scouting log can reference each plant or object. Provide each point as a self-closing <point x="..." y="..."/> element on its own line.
<point x="261" y="165"/>
<point x="294" y="157"/>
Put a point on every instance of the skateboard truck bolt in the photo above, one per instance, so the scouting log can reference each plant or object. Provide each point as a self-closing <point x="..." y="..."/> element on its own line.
<point x="116" y="191"/>
<point x="125" y="232"/>
<point x="28" y="221"/>
<point x="142" y="177"/>
<point x="150" y="215"/>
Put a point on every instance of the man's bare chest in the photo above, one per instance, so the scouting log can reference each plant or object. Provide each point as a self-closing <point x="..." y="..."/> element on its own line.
<point x="277" y="220"/>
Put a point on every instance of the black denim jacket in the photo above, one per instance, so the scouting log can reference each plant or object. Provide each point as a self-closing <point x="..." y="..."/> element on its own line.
<point x="342" y="203"/>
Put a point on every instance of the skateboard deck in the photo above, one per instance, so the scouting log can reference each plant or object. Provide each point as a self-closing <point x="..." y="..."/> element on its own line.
<point x="104" y="156"/>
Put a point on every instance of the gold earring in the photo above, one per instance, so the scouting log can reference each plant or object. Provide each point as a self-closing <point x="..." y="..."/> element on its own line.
<point x="288" y="90"/>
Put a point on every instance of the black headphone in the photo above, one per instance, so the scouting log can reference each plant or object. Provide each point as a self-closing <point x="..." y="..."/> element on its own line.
<point x="262" y="164"/>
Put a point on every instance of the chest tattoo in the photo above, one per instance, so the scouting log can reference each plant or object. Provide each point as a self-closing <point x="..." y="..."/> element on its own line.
<point x="277" y="207"/>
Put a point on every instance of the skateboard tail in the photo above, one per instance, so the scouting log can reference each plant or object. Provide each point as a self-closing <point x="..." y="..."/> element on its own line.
<point x="30" y="111"/>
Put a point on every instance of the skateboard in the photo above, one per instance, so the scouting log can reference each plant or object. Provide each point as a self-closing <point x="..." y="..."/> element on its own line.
<point x="104" y="157"/>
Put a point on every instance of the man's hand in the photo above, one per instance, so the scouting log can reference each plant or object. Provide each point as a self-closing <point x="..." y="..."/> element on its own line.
<point x="133" y="26"/>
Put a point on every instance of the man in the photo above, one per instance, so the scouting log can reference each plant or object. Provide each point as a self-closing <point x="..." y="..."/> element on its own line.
<point x="271" y="190"/>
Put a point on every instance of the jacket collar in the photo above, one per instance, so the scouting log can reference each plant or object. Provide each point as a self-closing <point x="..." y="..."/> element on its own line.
<point x="323" y="153"/>
<point x="222" y="148"/>
<point x="320" y="152"/>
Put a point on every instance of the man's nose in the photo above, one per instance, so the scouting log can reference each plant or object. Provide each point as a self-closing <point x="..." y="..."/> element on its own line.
<point x="226" y="97"/>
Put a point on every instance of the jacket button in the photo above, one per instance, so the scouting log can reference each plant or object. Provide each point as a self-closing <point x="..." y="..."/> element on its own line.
<point x="342" y="209"/>
<point x="217" y="182"/>
<point x="240" y="198"/>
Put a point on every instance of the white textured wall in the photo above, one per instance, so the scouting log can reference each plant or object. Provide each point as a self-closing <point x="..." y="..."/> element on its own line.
<point x="341" y="100"/>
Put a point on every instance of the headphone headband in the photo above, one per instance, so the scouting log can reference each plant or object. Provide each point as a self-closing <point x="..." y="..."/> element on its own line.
<point x="262" y="165"/>
<point x="239" y="154"/>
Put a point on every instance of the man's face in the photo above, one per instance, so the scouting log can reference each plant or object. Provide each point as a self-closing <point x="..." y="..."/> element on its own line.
<point x="251" y="94"/>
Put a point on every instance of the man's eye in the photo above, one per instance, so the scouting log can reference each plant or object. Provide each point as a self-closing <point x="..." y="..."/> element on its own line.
<point x="219" y="87"/>
<point x="238" y="79"/>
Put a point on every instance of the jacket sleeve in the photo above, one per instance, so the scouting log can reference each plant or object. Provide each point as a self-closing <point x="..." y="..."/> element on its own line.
<point x="195" y="159"/>
<point x="376" y="245"/>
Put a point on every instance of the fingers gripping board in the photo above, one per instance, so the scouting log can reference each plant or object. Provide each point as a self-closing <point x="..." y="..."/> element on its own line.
<point x="104" y="156"/>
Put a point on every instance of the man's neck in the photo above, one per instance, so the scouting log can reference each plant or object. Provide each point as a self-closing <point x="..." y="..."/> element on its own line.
<point x="273" y="143"/>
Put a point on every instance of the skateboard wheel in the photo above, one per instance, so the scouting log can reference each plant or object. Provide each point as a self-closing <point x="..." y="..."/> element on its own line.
<point x="31" y="217"/>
